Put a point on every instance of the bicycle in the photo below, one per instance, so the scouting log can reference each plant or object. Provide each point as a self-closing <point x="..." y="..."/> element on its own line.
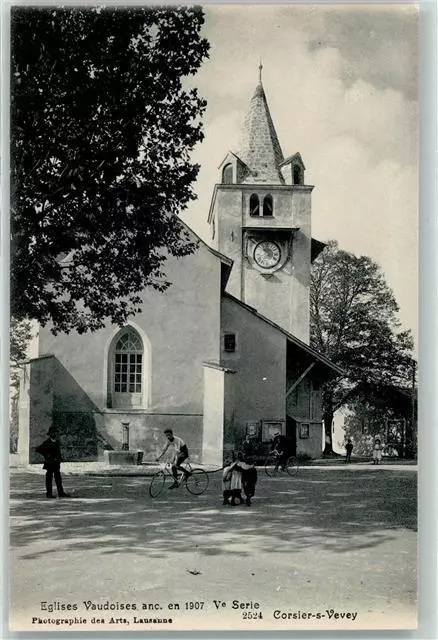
<point x="196" y="481"/>
<point x="273" y="466"/>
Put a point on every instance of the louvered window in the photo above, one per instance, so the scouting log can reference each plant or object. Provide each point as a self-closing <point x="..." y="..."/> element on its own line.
<point x="298" y="175"/>
<point x="227" y="174"/>
<point x="254" y="205"/>
<point x="268" y="206"/>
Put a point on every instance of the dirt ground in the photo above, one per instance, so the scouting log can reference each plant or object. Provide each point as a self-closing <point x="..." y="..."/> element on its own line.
<point x="329" y="548"/>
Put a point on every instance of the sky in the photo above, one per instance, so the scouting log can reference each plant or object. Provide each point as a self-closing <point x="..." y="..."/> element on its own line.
<point x="341" y="84"/>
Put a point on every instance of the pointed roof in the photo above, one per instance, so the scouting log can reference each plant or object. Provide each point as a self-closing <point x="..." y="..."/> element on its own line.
<point x="259" y="146"/>
<point x="294" y="157"/>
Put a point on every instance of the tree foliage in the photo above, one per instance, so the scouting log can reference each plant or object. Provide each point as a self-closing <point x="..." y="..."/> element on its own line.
<point x="354" y="323"/>
<point x="20" y="335"/>
<point x="102" y="126"/>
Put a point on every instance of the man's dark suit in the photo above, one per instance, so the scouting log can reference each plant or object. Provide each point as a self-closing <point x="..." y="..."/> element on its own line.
<point x="51" y="451"/>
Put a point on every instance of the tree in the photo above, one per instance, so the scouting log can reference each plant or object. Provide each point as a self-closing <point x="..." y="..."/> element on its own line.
<point x="102" y="126"/>
<point x="354" y="323"/>
<point x="20" y="335"/>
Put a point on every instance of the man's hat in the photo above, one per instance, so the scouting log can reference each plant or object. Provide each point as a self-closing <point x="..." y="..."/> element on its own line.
<point x="52" y="431"/>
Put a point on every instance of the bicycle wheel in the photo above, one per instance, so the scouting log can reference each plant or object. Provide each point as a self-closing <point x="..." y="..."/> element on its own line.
<point x="271" y="465"/>
<point x="197" y="482"/>
<point x="157" y="484"/>
<point x="292" y="466"/>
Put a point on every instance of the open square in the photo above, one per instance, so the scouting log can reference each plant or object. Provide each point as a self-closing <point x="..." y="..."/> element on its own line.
<point x="339" y="539"/>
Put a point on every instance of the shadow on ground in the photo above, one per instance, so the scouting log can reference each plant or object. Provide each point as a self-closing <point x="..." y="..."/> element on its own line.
<point x="337" y="511"/>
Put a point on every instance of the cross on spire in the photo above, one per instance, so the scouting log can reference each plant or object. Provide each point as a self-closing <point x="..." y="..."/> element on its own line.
<point x="260" y="72"/>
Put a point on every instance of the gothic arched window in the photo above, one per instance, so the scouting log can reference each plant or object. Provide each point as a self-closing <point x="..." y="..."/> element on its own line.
<point x="227" y="174"/>
<point x="126" y="364"/>
<point x="254" y="205"/>
<point x="268" y="205"/>
<point x="298" y="174"/>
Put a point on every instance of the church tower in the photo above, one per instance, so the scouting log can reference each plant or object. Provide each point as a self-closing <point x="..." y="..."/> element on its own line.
<point x="260" y="217"/>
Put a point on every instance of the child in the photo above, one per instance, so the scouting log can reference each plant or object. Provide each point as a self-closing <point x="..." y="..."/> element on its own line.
<point x="377" y="452"/>
<point x="248" y="479"/>
<point x="232" y="483"/>
<point x="226" y="483"/>
<point x="236" y="481"/>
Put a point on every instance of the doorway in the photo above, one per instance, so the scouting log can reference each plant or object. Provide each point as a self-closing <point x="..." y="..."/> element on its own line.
<point x="291" y="434"/>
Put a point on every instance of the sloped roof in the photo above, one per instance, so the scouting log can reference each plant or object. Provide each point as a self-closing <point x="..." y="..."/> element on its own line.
<point x="259" y="147"/>
<point x="316" y="247"/>
<point x="227" y="157"/>
<point x="293" y="339"/>
<point x="222" y="257"/>
<point x="294" y="156"/>
<point x="226" y="262"/>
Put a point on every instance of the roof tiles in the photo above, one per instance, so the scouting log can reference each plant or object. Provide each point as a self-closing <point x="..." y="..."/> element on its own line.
<point x="259" y="146"/>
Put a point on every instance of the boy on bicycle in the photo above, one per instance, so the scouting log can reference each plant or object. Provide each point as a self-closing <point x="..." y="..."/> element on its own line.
<point x="181" y="453"/>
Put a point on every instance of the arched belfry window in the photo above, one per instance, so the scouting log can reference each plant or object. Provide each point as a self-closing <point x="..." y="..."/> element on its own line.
<point x="268" y="206"/>
<point x="298" y="174"/>
<point x="254" y="205"/>
<point x="227" y="174"/>
<point x="126" y="369"/>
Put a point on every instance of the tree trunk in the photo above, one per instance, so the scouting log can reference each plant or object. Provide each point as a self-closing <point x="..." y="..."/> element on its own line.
<point x="328" y="422"/>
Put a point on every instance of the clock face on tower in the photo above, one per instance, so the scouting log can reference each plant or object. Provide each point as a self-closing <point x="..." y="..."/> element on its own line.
<point x="267" y="254"/>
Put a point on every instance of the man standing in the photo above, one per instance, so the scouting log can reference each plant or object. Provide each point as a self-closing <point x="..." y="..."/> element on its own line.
<point x="348" y="450"/>
<point x="50" y="449"/>
<point x="248" y="449"/>
<point x="181" y="453"/>
<point x="280" y="445"/>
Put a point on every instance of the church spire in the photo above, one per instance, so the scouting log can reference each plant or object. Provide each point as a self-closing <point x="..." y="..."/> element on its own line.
<point x="259" y="146"/>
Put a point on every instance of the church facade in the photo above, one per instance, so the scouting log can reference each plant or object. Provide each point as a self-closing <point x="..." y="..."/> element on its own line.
<point x="224" y="352"/>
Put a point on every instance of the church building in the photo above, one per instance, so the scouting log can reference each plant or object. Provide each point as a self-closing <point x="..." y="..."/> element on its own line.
<point x="224" y="352"/>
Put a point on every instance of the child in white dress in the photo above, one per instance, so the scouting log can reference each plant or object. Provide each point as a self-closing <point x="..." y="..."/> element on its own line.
<point x="232" y="482"/>
<point x="226" y="483"/>
<point x="245" y="478"/>
<point x="377" y="451"/>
